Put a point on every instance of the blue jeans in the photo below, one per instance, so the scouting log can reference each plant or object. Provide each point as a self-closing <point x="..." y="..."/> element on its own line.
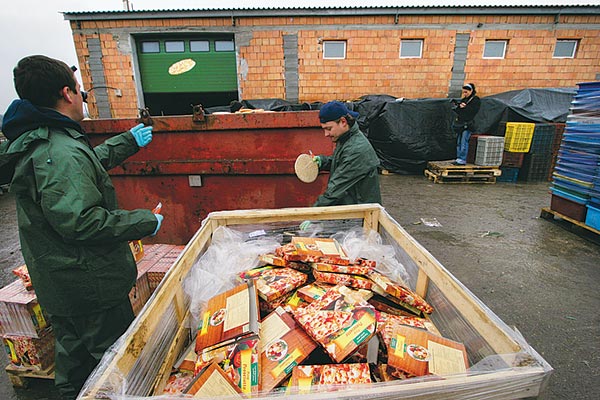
<point x="462" y="143"/>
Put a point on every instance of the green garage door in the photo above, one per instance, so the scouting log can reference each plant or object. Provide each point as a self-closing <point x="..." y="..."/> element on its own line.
<point x="186" y="70"/>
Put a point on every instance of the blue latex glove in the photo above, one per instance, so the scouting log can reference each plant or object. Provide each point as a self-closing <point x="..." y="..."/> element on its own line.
<point x="317" y="159"/>
<point x="305" y="225"/>
<point x="142" y="134"/>
<point x="159" y="219"/>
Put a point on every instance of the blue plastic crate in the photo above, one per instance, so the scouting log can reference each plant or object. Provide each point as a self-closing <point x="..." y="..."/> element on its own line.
<point x="592" y="218"/>
<point x="509" y="174"/>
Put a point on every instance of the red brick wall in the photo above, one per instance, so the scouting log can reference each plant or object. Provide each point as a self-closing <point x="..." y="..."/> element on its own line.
<point x="372" y="64"/>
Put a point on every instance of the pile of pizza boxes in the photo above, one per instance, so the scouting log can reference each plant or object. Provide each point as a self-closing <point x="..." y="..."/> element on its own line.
<point x="309" y="318"/>
<point x="25" y="328"/>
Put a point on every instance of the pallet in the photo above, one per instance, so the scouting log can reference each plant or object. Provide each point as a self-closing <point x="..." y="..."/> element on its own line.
<point x="436" y="178"/>
<point x="447" y="169"/>
<point x="19" y="377"/>
<point x="549" y="214"/>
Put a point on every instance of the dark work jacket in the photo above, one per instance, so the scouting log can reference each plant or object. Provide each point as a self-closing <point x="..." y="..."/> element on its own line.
<point x="464" y="116"/>
<point x="74" y="239"/>
<point x="354" y="177"/>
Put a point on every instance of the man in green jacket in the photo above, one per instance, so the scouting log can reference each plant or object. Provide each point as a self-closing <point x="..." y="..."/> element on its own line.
<point x="74" y="238"/>
<point x="353" y="173"/>
<point x="353" y="167"/>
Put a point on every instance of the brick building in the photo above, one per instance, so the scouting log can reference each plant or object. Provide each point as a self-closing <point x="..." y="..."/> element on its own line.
<point x="167" y="60"/>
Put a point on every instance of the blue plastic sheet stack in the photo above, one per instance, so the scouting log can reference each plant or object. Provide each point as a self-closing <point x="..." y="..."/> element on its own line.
<point x="577" y="173"/>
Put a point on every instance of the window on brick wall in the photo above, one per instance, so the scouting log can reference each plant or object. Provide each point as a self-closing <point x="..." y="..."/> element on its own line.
<point x="334" y="49"/>
<point x="411" y="48"/>
<point x="174" y="46"/>
<point x="495" y="48"/>
<point x="150" y="47"/>
<point x="565" y="48"/>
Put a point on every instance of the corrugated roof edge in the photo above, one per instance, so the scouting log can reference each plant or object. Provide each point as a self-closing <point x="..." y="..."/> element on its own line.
<point x="352" y="10"/>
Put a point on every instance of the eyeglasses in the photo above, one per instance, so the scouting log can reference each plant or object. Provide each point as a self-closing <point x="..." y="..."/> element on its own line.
<point x="84" y="95"/>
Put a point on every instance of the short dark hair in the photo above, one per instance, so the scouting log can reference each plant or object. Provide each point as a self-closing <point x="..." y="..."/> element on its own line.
<point x="40" y="80"/>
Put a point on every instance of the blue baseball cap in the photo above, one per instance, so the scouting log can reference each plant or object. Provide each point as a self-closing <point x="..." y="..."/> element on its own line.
<point x="333" y="111"/>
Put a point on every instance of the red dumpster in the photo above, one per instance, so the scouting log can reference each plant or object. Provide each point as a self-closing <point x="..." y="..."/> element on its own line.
<point x="196" y="165"/>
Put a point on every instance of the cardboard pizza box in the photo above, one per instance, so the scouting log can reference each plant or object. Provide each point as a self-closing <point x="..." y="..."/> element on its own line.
<point x="340" y="321"/>
<point x="213" y="382"/>
<point x="239" y="360"/>
<point x="316" y="250"/>
<point x="284" y="345"/>
<point x="354" y="269"/>
<point x="273" y="283"/>
<point x="229" y="316"/>
<point x="354" y="281"/>
<point x="399" y="293"/>
<point x="419" y="352"/>
<point x="306" y="377"/>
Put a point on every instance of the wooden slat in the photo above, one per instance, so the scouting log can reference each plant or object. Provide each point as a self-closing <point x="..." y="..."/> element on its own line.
<point x="457" y="294"/>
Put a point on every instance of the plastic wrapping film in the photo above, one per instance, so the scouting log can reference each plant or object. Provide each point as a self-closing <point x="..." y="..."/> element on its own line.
<point x="523" y="373"/>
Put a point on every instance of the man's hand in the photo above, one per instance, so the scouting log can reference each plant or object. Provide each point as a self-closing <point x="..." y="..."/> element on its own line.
<point x="142" y="134"/>
<point x="305" y="225"/>
<point x="317" y="159"/>
<point x="159" y="219"/>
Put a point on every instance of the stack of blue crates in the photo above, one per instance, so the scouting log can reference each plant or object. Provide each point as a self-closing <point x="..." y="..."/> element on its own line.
<point x="576" y="176"/>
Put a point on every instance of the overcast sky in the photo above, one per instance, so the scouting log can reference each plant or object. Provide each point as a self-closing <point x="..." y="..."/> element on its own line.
<point x="38" y="27"/>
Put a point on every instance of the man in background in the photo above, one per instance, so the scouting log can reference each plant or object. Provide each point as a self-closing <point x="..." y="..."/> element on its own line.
<point x="353" y="167"/>
<point x="74" y="238"/>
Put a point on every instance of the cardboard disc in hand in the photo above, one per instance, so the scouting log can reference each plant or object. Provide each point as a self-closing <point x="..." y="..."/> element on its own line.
<point x="306" y="169"/>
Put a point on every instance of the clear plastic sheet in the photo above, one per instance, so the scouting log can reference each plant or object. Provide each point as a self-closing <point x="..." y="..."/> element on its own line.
<point x="510" y="374"/>
<point x="215" y="272"/>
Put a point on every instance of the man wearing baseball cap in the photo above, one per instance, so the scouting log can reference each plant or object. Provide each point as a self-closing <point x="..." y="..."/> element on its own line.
<point x="353" y="174"/>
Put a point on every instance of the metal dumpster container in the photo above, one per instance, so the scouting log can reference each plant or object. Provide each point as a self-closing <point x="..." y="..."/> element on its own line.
<point x="203" y="163"/>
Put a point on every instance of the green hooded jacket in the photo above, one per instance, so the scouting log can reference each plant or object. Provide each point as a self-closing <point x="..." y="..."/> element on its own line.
<point x="354" y="177"/>
<point x="74" y="239"/>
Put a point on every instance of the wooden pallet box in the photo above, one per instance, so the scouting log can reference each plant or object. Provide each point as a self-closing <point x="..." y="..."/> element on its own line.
<point x="503" y="365"/>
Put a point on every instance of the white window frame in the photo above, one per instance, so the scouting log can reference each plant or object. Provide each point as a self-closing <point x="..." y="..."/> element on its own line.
<point x="575" y="45"/>
<point x="411" y="41"/>
<point x="326" y="42"/>
<point x="505" y="42"/>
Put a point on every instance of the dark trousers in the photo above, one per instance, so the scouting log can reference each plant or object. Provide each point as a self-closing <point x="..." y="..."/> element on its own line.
<point x="81" y="342"/>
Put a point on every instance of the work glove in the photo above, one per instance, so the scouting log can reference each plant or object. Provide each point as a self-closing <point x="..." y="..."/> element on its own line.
<point x="142" y="134"/>
<point x="305" y="225"/>
<point x="159" y="219"/>
<point x="316" y="159"/>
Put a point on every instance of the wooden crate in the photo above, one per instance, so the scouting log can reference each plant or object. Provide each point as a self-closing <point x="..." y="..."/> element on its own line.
<point x="159" y="334"/>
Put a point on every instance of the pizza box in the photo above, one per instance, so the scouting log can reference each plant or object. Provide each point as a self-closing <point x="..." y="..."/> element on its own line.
<point x="311" y="250"/>
<point x="340" y="321"/>
<point x="273" y="283"/>
<point x="229" y="316"/>
<point x="305" y="378"/>
<point x="399" y="293"/>
<point x="142" y="359"/>
<point x="239" y="360"/>
<point x="418" y="352"/>
<point x="355" y="281"/>
<point x="284" y="345"/>
<point x="213" y="382"/>
<point x="354" y="269"/>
